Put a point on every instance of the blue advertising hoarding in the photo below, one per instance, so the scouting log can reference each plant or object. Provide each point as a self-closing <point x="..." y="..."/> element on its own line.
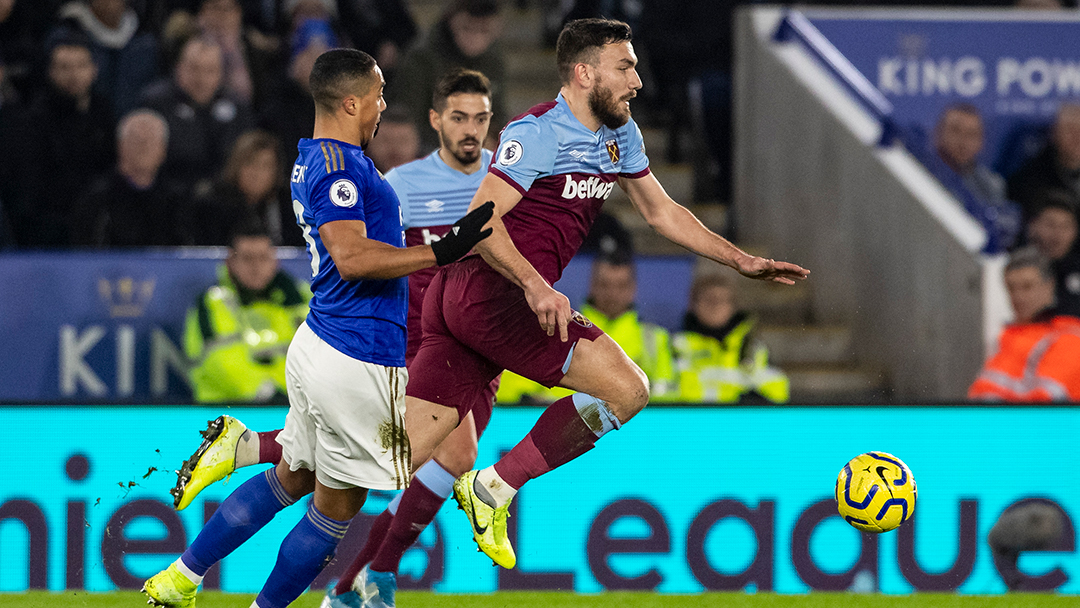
<point x="1015" y="67"/>
<point x="107" y="326"/>
<point x="680" y="500"/>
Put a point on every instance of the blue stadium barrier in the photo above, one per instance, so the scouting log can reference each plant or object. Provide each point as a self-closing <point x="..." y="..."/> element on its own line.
<point x="107" y="327"/>
<point x="1016" y="67"/>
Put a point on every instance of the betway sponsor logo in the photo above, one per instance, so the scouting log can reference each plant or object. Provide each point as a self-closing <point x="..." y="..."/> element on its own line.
<point x="586" y="188"/>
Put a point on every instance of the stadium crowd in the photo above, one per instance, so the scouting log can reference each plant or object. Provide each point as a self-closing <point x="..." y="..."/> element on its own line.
<point x="136" y="123"/>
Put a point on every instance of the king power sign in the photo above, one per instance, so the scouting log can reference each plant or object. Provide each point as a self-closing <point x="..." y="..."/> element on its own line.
<point x="1016" y="68"/>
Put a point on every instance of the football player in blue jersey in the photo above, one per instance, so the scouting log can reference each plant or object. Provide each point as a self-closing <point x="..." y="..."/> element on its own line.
<point x="434" y="191"/>
<point x="345" y="429"/>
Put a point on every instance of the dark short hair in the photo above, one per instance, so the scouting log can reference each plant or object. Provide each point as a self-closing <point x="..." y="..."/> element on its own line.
<point x="459" y="80"/>
<point x="67" y="36"/>
<point x="473" y="8"/>
<point x="338" y="73"/>
<point x="1030" y="257"/>
<point x="617" y="257"/>
<point x="963" y="108"/>
<point x="581" y="40"/>
<point x="711" y="279"/>
<point x="1054" y="198"/>
<point x="248" y="225"/>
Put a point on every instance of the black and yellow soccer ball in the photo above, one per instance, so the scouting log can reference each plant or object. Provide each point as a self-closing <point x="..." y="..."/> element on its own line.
<point x="875" y="492"/>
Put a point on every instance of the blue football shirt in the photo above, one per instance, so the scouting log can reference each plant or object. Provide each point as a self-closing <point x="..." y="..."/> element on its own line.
<point x="363" y="319"/>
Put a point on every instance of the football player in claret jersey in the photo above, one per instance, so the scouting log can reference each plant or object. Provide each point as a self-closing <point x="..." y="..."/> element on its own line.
<point x="555" y="166"/>
<point x="345" y="369"/>
<point x="434" y="192"/>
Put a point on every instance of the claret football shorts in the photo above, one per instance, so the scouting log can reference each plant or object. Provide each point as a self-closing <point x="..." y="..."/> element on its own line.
<point x="346" y="417"/>
<point x="477" y="323"/>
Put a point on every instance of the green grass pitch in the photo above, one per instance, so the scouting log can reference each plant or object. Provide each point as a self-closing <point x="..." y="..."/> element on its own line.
<point x="569" y="600"/>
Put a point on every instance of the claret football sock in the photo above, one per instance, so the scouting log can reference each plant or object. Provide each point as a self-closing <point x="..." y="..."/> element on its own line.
<point x="243" y="513"/>
<point x="376" y="534"/>
<point x="303" y="554"/>
<point x="269" y="448"/>
<point x="430" y="488"/>
<point x="567" y="429"/>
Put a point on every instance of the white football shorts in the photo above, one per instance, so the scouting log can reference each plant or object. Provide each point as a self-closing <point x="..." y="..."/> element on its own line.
<point x="346" y="417"/>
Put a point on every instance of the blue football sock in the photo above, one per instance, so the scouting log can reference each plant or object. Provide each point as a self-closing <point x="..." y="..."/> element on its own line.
<point x="243" y="513"/>
<point x="303" y="555"/>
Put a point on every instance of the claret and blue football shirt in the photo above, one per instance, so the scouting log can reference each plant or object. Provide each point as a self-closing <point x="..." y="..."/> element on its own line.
<point x="564" y="172"/>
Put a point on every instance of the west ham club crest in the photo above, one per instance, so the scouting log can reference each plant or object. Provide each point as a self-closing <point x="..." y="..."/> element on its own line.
<point x="613" y="150"/>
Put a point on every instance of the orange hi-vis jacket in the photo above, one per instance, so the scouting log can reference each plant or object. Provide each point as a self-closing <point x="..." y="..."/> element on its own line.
<point x="1035" y="362"/>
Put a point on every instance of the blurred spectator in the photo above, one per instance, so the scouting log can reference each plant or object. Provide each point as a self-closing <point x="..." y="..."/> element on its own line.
<point x="238" y="332"/>
<point x="466" y="36"/>
<point x="1041" y="5"/>
<point x="290" y="112"/>
<point x="126" y="57"/>
<point x="610" y="306"/>
<point x="1032" y="524"/>
<point x="608" y="236"/>
<point x="69" y="145"/>
<point x="1053" y="231"/>
<point x="251" y="185"/>
<point x="1057" y="167"/>
<point x="958" y="142"/>
<point x="203" y="122"/>
<point x="717" y="357"/>
<point x="396" y="142"/>
<point x="383" y="29"/>
<point x="1038" y="355"/>
<point x="10" y="175"/>
<point x="23" y="25"/>
<point x="133" y="206"/>
<point x="249" y="58"/>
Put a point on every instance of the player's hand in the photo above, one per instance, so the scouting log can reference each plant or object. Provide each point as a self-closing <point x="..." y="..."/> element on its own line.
<point x="464" y="235"/>
<point x="771" y="270"/>
<point x="552" y="310"/>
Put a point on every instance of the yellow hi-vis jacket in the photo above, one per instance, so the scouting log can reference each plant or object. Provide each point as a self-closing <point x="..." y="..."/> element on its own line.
<point x="646" y="344"/>
<point x="236" y="347"/>
<point x="711" y="370"/>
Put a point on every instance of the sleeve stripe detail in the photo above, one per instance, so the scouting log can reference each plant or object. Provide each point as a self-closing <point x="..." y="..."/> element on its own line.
<point x="326" y="156"/>
<point x="341" y="157"/>
<point x="641" y="173"/>
<point x="506" y="178"/>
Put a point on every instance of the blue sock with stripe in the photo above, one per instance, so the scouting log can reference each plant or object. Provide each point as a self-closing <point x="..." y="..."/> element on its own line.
<point x="243" y="513"/>
<point x="303" y="554"/>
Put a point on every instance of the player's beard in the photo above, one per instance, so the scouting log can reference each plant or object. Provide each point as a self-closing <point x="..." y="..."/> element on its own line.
<point x="465" y="158"/>
<point x="606" y="108"/>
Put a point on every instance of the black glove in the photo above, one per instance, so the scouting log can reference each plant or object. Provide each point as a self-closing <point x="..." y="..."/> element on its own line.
<point x="463" y="235"/>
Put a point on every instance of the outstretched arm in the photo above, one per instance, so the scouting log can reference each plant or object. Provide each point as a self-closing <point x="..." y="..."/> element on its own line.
<point x="680" y="226"/>
<point x="551" y="307"/>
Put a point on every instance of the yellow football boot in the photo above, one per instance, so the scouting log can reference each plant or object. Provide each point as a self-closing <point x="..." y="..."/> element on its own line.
<point x="171" y="589"/>
<point x="488" y="524"/>
<point x="214" y="460"/>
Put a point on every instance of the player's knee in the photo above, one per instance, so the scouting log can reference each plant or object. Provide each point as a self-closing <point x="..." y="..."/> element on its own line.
<point x="457" y="461"/>
<point x="632" y="398"/>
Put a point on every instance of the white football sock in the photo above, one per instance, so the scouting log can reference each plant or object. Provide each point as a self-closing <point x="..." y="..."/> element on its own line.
<point x="247" y="449"/>
<point x="182" y="567"/>
<point x="488" y="482"/>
